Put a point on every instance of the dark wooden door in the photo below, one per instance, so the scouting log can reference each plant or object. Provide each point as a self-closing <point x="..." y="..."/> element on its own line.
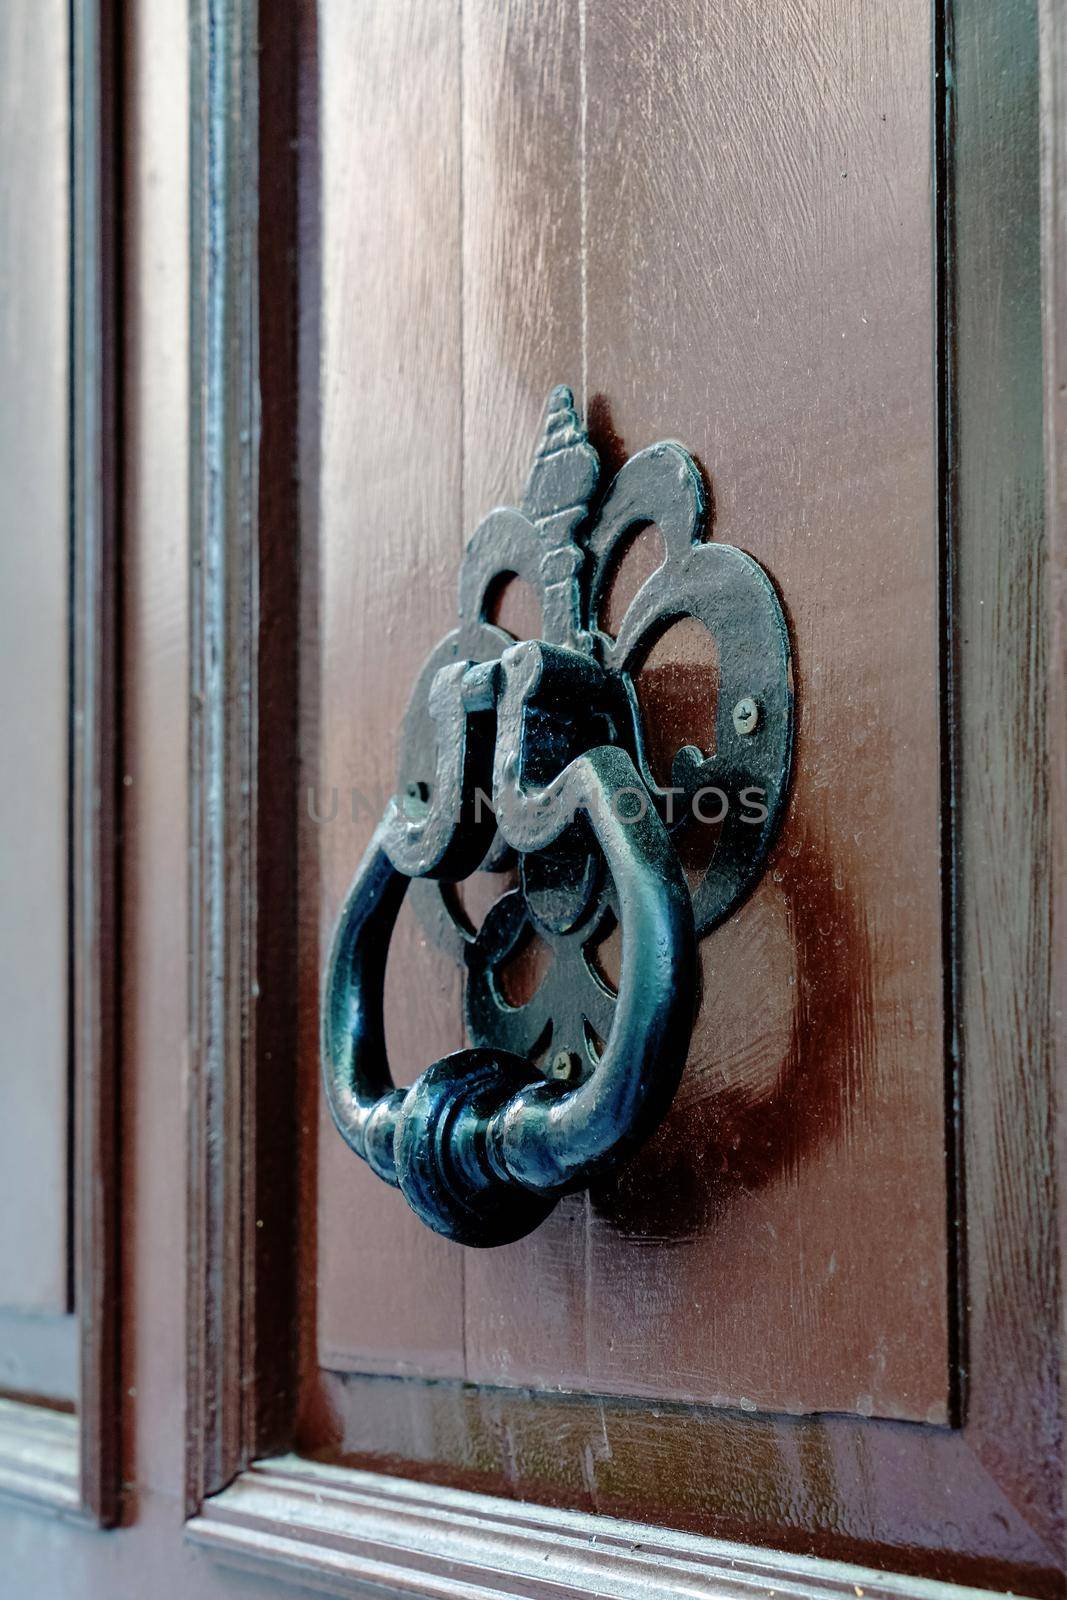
<point x="326" y="263"/>
<point x="569" y="208"/>
<point x="725" y="228"/>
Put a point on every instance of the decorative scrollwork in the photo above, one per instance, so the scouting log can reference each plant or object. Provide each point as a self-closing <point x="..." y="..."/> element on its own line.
<point x="526" y="749"/>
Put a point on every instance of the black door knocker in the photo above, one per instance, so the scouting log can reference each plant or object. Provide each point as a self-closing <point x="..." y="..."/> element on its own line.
<point x="537" y="750"/>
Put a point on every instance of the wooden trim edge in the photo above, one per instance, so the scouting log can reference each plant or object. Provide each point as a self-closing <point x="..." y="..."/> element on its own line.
<point x="61" y="1461"/>
<point x="1053" y="56"/>
<point x="40" y="1457"/>
<point x="94" y="821"/>
<point x="244" y="576"/>
<point x="343" y="1531"/>
<point x="224" y="631"/>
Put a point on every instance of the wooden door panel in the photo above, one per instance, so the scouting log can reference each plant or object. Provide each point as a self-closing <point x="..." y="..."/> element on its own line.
<point x="760" y="271"/>
<point x="34" y="693"/>
<point x="525" y="1305"/>
<point x="558" y="193"/>
<point x="391" y="1297"/>
<point x="58" y="646"/>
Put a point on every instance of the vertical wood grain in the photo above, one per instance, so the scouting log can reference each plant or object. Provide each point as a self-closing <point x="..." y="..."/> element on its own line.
<point x="1006" y="741"/>
<point x="243" y="745"/>
<point x="979" y="1501"/>
<point x="1053" y="50"/>
<point x="223" y="663"/>
<point x="285" y="56"/>
<point x="390" y="1293"/>
<point x="522" y="333"/>
<point x="761" y="284"/>
<point x="34" y="703"/>
<point x="96" y="65"/>
<point x="154" y="881"/>
<point x="670" y="272"/>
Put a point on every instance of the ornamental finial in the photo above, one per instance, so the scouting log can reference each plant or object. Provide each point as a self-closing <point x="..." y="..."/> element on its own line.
<point x="566" y="467"/>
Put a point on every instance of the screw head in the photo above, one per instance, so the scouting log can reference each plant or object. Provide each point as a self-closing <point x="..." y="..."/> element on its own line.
<point x="416" y="800"/>
<point x="746" y="716"/>
<point x="565" y="1066"/>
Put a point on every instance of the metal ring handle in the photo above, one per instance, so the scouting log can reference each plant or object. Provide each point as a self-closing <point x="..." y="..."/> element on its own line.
<point x="482" y="1145"/>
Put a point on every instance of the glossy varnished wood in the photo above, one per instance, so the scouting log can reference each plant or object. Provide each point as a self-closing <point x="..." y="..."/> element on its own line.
<point x="524" y="1310"/>
<point x="979" y="1501"/>
<point x="346" y="1530"/>
<point x="1004" y="795"/>
<point x="244" y="690"/>
<point x="390" y="1294"/>
<point x="154" y="881"/>
<point x="611" y="233"/>
<point x="63" y="307"/>
<point x="34" y="705"/>
<point x="51" y="1554"/>
<point x="241" y="1190"/>
<point x="1053" y="23"/>
<point x="920" y="409"/>
<point x="812" y="1108"/>
<point x="39" y="1456"/>
<point x="95" y="810"/>
<point x="223" y="658"/>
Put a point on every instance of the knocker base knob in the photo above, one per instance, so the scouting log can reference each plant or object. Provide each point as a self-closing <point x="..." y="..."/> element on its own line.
<point x="440" y="1149"/>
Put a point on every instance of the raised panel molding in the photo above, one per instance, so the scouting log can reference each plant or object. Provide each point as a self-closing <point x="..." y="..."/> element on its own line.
<point x="95" y="821"/>
<point x="352" y="1533"/>
<point x="242" y="1154"/>
<point x="40" y="1457"/>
